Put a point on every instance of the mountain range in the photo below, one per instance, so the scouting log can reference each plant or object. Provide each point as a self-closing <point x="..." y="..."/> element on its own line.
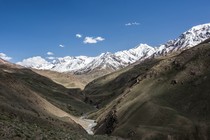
<point x="114" y="61"/>
<point x="165" y="97"/>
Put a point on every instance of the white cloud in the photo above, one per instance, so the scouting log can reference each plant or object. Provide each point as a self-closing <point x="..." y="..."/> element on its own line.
<point x="5" y="57"/>
<point x="78" y="35"/>
<point x="132" y="24"/>
<point x="62" y="46"/>
<point x="92" y="40"/>
<point x="99" y="39"/>
<point x="50" y="53"/>
<point x="35" y="62"/>
<point x="128" y="24"/>
<point x="50" y="58"/>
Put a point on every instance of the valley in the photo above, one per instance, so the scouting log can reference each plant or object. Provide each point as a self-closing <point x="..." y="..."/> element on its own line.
<point x="34" y="107"/>
<point x="161" y="93"/>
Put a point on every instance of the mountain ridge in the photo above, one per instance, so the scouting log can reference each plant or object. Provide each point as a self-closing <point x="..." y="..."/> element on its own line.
<point x="120" y="59"/>
<point x="160" y="98"/>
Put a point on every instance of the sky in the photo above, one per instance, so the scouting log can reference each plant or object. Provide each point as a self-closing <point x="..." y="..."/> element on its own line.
<point x="57" y="28"/>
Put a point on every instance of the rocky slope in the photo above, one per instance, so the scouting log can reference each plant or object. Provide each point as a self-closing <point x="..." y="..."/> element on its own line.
<point x="114" y="61"/>
<point x="166" y="98"/>
<point x="34" y="107"/>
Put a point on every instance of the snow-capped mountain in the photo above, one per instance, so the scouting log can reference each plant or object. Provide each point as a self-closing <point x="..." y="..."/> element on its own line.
<point x="114" y="61"/>
<point x="119" y="59"/>
<point x="83" y="64"/>
<point x="188" y="39"/>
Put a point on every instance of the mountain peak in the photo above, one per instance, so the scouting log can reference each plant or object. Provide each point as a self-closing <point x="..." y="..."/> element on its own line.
<point x="105" y="54"/>
<point x="186" y="40"/>
<point x="143" y="45"/>
<point x="201" y="27"/>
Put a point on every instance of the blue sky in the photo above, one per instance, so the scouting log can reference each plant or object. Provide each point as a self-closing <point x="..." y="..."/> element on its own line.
<point x="34" y="27"/>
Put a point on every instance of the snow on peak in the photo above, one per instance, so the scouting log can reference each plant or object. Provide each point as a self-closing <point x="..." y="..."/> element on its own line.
<point x="5" y="57"/>
<point x="114" y="61"/>
<point x="201" y="27"/>
<point x="190" y="38"/>
<point x="194" y="36"/>
<point x="132" y="55"/>
<point x="36" y="62"/>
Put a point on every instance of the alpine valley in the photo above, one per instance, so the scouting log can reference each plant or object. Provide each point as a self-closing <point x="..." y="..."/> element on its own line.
<point x="145" y="93"/>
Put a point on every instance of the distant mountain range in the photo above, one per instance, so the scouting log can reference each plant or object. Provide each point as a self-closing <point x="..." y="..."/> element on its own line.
<point x="114" y="61"/>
